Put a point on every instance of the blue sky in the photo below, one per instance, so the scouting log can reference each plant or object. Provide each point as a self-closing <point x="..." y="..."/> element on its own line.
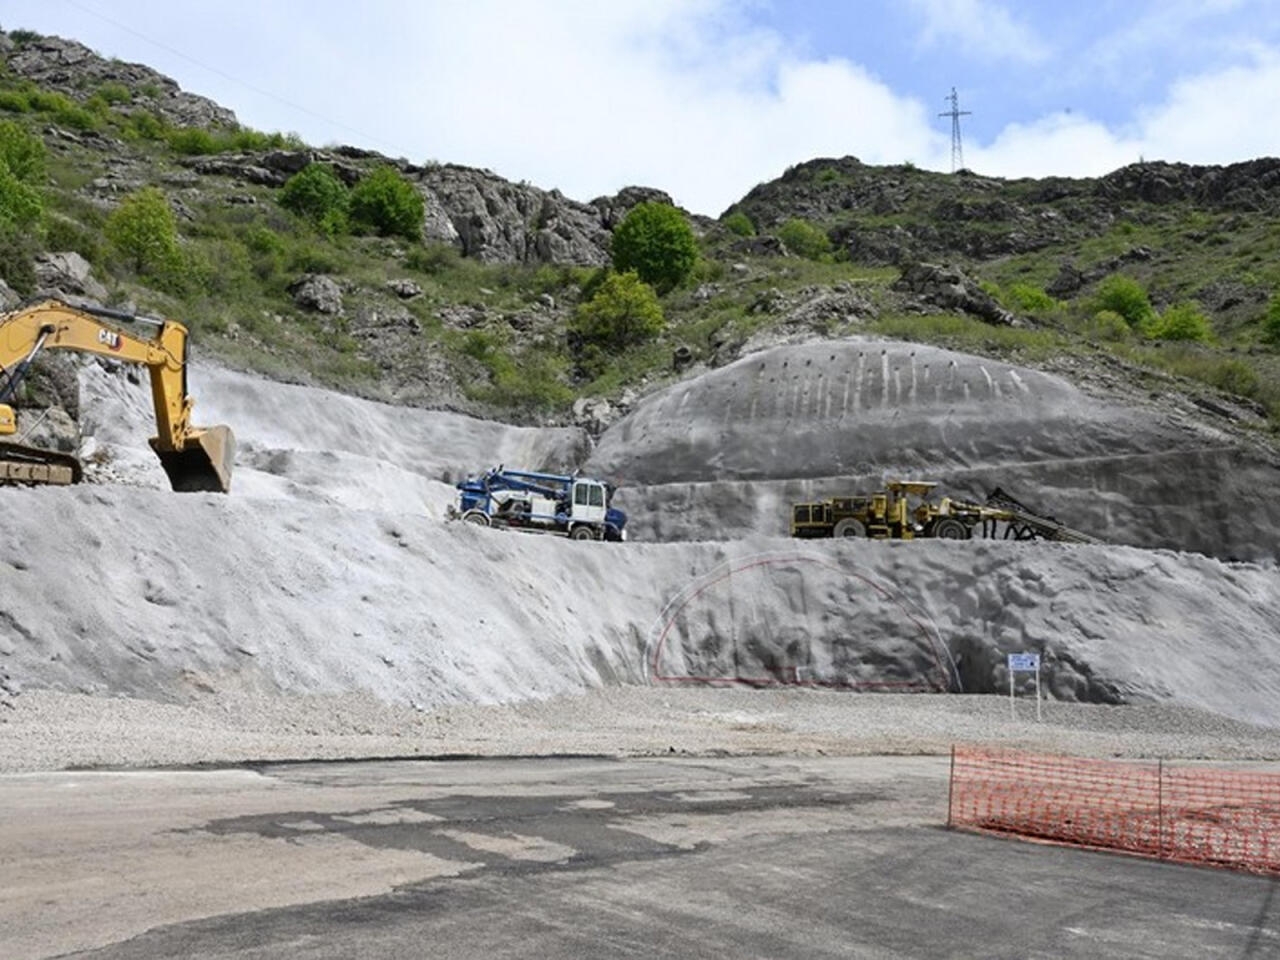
<point x="706" y="98"/>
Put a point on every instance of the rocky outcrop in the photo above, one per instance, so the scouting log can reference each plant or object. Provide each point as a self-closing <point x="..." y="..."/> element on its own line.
<point x="59" y="274"/>
<point x="1251" y="186"/>
<point x="75" y="71"/>
<point x="491" y="219"/>
<point x="950" y="289"/>
<point x="893" y="215"/>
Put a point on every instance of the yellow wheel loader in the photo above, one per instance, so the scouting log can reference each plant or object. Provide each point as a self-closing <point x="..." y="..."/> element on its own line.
<point x="195" y="458"/>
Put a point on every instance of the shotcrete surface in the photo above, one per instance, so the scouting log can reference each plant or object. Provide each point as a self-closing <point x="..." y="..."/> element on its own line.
<point x="328" y="607"/>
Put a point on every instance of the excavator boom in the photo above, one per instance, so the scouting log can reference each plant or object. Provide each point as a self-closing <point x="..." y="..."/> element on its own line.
<point x="194" y="458"/>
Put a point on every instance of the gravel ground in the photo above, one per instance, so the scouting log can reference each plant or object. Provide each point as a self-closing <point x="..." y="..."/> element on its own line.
<point x="42" y="730"/>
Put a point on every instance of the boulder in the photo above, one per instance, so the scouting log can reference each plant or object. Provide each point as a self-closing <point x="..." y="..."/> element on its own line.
<point x="67" y="273"/>
<point x="316" y="292"/>
<point x="949" y="288"/>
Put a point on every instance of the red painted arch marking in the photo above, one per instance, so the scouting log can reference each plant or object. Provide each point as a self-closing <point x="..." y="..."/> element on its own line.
<point x="939" y="684"/>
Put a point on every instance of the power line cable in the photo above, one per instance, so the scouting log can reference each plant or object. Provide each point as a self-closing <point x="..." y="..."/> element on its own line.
<point x="222" y="73"/>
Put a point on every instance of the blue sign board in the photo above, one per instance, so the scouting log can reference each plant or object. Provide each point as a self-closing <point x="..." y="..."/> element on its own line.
<point x="1024" y="661"/>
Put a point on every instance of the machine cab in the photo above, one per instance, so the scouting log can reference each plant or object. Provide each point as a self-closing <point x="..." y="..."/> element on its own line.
<point x="589" y="502"/>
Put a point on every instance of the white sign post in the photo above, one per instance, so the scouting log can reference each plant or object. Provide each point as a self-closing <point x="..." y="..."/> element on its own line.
<point x="1024" y="663"/>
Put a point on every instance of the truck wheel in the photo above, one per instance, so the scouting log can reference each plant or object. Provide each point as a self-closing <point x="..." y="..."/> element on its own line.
<point x="582" y="533"/>
<point x="476" y="516"/>
<point x="849" y="527"/>
<point x="949" y="528"/>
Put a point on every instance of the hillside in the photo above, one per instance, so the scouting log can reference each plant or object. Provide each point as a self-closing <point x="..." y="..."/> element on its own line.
<point x="1104" y="349"/>
<point x="472" y="313"/>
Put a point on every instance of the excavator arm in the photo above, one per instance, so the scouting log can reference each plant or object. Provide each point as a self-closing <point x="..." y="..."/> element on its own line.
<point x="195" y="458"/>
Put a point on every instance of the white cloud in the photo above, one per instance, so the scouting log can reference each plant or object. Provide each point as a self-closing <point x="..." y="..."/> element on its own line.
<point x="981" y="28"/>
<point x="1216" y="117"/>
<point x="683" y="95"/>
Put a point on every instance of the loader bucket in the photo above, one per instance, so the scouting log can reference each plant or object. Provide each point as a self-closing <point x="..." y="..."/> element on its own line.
<point x="204" y="462"/>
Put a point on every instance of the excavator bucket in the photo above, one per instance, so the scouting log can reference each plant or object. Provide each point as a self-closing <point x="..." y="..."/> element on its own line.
<point x="204" y="462"/>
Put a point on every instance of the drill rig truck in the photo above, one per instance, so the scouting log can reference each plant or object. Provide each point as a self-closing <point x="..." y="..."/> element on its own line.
<point x="573" y="506"/>
<point x="194" y="458"/>
<point x="902" y="511"/>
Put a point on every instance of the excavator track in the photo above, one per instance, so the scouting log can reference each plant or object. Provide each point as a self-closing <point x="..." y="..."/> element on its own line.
<point x="20" y="464"/>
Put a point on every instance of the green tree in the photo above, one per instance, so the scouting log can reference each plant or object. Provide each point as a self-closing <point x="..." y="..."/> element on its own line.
<point x="804" y="239"/>
<point x="656" y="242"/>
<point x="387" y="204"/>
<point x="1127" y="297"/>
<point x="624" y="311"/>
<point x="316" y="193"/>
<point x="143" y="231"/>
<point x="1182" y="321"/>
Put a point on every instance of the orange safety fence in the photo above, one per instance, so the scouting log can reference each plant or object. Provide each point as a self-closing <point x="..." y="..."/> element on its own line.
<point x="1213" y="816"/>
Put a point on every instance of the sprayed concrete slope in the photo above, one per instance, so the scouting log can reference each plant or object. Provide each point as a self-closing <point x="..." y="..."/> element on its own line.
<point x="113" y="590"/>
<point x="330" y="568"/>
<point x="724" y="455"/>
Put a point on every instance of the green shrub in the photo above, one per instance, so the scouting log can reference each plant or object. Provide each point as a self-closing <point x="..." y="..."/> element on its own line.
<point x="192" y="141"/>
<point x="114" y="92"/>
<point x="314" y="258"/>
<point x="62" y="233"/>
<point x="1108" y="325"/>
<point x="387" y="204"/>
<point x="1182" y="321"/>
<point x="17" y="263"/>
<point x="63" y="110"/>
<point x="656" y="242"/>
<point x="12" y="101"/>
<point x="433" y="258"/>
<point x="804" y="239"/>
<point x="267" y="251"/>
<point x="739" y="223"/>
<point x="316" y="193"/>
<point x="1235" y="376"/>
<point x="1127" y="297"/>
<point x="20" y="204"/>
<point x="624" y="311"/>
<point x="143" y="231"/>
<point x="1028" y="298"/>
<point x="1271" y="321"/>
<point x="144" y="125"/>
<point x="23" y="153"/>
<point x="21" y="38"/>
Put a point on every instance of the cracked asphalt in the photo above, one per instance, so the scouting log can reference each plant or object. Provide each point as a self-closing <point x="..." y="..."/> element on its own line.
<point x="565" y="858"/>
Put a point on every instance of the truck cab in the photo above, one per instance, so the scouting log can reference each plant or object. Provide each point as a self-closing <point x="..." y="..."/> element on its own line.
<point x="588" y="502"/>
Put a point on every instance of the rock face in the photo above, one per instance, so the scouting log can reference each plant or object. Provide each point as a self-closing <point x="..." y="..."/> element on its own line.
<point x="894" y="215"/>
<point x="950" y="289"/>
<point x="492" y="219"/>
<point x="75" y="71"/>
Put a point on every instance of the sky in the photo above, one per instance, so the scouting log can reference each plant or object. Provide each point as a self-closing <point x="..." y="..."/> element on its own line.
<point x="707" y="98"/>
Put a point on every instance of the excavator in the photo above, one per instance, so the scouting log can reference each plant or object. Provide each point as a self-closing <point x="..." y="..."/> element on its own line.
<point x="194" y="458"/>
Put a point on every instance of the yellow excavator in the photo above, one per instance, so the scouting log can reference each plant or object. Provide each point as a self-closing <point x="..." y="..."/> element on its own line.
<point x="195" y="458"/>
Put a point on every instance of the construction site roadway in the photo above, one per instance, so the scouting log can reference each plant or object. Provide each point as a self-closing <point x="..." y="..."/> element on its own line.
<point x="781" y="857"/>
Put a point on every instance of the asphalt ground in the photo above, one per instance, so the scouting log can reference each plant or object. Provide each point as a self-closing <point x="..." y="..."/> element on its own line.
<point x="569" y="858"/>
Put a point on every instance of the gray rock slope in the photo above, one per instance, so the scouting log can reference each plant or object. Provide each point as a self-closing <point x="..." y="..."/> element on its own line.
<point x="723" y="455"/>
<point x="331" y="568"/>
